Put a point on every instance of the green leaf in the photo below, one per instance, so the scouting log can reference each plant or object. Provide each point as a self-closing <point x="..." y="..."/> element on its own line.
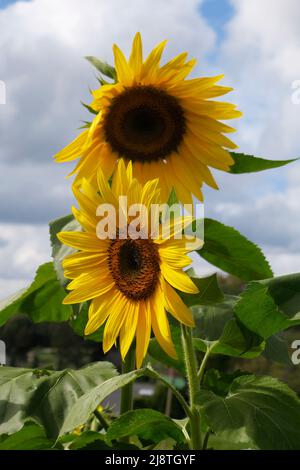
<point x="41" y="301"/>
<point x="209" y="292"/>
<point x="219" y="382"/>
<point x="79" y="321"/>
<point x="56" y="226"/>
<point x="226" y="440"/>
<point x="267" y="409"/>
<point x="87" y="403"/>
<point x="16" y="387"/>
<point x="248" y="163"/>
<point x="30" y="437"/>
<point x="211" y="320"/>
<point x="235" y="341"/>
<point x="103" y="67"/>
<point x="50" y="404"/>
<point x="89" y="440"/>
<point x="277" y="350"/>
<point x="230" y="251"/>
<point x="60" y="251"/>
<point x="285" y="291"/>
<point x="258" y="311"/>
<point x="147" y="424"/>
<point x="45" y="396"/>
<point x="89" y="108"/>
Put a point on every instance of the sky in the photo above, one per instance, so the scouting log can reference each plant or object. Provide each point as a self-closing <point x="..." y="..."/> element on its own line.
<point x="256" y="44"/>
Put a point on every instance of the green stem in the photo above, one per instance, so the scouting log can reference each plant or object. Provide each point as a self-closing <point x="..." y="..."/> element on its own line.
<point x="101" y="419"/>
<point x="203" y="364"/>
<point x="152" y="373"/>
<point x="194" y="386"/>
<point x="206" y="437"/>
<point x="127" y="391"/>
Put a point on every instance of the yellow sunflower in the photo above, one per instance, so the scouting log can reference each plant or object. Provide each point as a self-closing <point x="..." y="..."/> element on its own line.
<point x="130" y="281"/>
<point x="166" y="124"/>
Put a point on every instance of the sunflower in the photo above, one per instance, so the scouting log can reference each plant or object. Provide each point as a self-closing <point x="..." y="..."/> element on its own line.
<point x="166" y="124"/>
<point x="130" y="281"/>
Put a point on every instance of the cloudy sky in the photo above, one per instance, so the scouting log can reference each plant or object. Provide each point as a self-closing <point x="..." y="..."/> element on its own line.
<point x="256" y="43"/>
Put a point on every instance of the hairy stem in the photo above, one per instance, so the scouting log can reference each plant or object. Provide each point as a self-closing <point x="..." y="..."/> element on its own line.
<point x="203" y="364"/>
<point x="194" y="386"/>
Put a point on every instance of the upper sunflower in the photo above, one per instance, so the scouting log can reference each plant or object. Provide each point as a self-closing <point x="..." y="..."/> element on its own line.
<point x="130" y="281"/>
<point x="167" y="125"/>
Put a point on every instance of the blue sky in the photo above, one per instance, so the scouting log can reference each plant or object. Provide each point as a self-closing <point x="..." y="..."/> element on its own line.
<point x="217" y="13"/>
<point x="42" y="48"/>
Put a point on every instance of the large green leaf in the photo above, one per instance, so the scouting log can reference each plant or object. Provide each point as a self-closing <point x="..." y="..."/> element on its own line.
<point x="16" y="387"/>
<point x="285" y="291"/>
<point x="235" y="341"/>
<point x="227" y="440"/>
<point x="277" y="349"/>
<point x="87" y="403"/>
<point x="50" y="404"/>
<point x="30" y="437"/>
<point x="248" y="163"/>
<point x="268" y="409"/>
<point x="89" y="440"/>
<point x="45" y="396"/>
<point x="259" y="312"/>
<point x="209" y="292"/>
<point x="41" y="301"/>
<point x="211" y="320"/>
<point x="230" y="251"/>
<point x="147" y="424"/>
<point x="218" y="329"/>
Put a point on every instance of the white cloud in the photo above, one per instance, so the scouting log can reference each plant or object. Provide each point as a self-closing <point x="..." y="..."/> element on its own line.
<point x="43" y="43"/>
<point x="22" y="249"/>
<point x="260" y="56"/>
<point x="42" y="47"/>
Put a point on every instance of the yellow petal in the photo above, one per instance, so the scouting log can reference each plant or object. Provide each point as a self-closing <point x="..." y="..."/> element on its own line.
<point x="136" y="56"/>
<point x="81" y="262"/>
<point x="178" y="279"/>
<point x="143" y="332"/>
<point x="83" y="241"/>
<point x="88" y="290"/>
<point x="152" y="62"/>
<point x="176" y="307"/>
<point x="114" y="322"/>
<point x="73" y="150"/>
<point x="99" y="311"/>
<point x="160" y="324"/>
<point x="128" y="329"/>
<point x="123" y="70"/>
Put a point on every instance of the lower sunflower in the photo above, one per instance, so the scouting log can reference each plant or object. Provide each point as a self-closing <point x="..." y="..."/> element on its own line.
<point x="130" y="281"/>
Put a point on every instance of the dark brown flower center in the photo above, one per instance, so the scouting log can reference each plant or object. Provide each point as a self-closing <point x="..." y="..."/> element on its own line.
<point x="144" y="124"/>
<point x="134" y="266"/>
